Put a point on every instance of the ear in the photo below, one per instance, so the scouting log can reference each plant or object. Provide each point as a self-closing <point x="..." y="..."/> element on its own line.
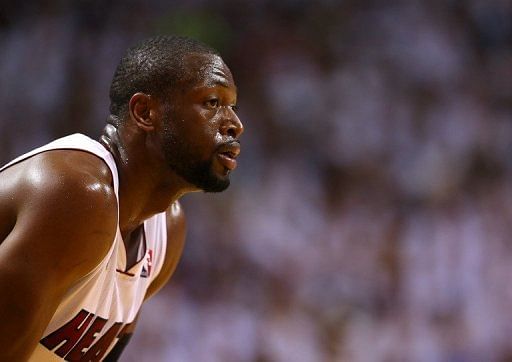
<point x="140" y="111"/>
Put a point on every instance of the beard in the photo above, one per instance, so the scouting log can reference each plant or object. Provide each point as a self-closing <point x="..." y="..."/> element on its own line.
<point x="180" y="156"/>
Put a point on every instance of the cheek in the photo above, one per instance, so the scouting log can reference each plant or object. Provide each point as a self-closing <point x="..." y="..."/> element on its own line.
<point x="201" y="135"/>
<point x="202" y="140"/>
<point x="207" y="129"/>
<point x="200" y="128"/>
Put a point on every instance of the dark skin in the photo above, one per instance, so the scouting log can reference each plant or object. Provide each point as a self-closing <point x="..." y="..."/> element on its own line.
<point x="58" y="209"/>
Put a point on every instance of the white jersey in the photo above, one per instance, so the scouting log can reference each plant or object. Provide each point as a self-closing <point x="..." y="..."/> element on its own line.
<point x="95" y="311"/>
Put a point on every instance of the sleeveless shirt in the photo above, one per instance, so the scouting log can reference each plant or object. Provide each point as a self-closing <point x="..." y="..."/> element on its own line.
<point x="95" y="311"/>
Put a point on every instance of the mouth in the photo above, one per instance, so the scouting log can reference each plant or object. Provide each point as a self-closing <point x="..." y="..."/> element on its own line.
<point x="227" y="155"/>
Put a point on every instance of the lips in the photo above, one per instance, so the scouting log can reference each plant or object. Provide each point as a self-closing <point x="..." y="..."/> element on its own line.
<point x="227" y="154"/>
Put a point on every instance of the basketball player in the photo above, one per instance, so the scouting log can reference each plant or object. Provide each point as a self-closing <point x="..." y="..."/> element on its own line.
<point x="89" y="230"/>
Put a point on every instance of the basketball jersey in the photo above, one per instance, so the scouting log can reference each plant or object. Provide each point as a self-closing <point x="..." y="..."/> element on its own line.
<point x="95" y="311"/>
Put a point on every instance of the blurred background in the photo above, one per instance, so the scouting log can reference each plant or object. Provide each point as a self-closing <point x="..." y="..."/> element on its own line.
<point x="370" y="218"/>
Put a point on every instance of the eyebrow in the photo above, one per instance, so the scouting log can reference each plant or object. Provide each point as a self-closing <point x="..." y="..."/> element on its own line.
<point x="219" y="79"/>
<point x="220" y="82"/>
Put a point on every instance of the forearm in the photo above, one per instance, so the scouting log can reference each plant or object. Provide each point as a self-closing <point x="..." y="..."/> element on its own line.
<point x="124" y="337"/>
<point x="118" y="349"/>
<point x="22" y="323"/>
<point x="28" y="300"/>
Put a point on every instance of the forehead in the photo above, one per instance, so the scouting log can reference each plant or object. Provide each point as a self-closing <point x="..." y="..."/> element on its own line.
<point x="208" y="70"/>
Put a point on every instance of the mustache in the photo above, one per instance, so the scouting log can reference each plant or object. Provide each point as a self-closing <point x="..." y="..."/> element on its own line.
<point x="233" y="143"/>
<point x="232" y="147"/>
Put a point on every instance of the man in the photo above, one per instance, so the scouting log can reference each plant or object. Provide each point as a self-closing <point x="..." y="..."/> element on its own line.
<point x="89" y="230"/>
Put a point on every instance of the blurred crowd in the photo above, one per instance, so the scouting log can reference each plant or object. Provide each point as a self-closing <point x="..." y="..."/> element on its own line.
<point x="371" y="214"/>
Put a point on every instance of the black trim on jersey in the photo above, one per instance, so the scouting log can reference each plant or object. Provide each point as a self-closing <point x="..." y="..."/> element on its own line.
<point x="126" y="272"/>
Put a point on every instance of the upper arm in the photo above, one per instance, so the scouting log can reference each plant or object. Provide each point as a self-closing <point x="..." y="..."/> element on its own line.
<point x="176" y="232"/>
<point x="64" y="223"/>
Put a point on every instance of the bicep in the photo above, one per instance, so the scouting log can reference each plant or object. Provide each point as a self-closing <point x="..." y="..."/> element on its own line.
<point x="56" y="240"/>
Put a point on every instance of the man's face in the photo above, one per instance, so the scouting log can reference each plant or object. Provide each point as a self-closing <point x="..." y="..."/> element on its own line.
<point x="201" y="129"/>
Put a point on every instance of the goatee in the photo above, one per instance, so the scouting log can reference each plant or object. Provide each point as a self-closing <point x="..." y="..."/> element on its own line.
<point x="187" y="164"/>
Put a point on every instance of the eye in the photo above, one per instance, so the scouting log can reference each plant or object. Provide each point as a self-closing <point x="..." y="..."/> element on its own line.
<point x="234" y="108"/>
<point x="212" y="103"/>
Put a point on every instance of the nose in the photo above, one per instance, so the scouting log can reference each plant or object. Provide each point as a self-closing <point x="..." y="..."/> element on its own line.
<point x="232" y="126"/>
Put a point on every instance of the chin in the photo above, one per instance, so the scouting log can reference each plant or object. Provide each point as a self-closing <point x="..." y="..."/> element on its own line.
<point x="218" y="185"/>
<point x="204" y="176"/>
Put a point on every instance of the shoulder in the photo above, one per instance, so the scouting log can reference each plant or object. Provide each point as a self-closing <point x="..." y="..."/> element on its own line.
<point x="66" y="207"/>
<point x="65" y="176"/>
<point x="175" y="216"/>
<point x="176" y="232"/>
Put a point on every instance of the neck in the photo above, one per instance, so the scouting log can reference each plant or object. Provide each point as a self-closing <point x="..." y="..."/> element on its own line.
<point x="146" y="186"/>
